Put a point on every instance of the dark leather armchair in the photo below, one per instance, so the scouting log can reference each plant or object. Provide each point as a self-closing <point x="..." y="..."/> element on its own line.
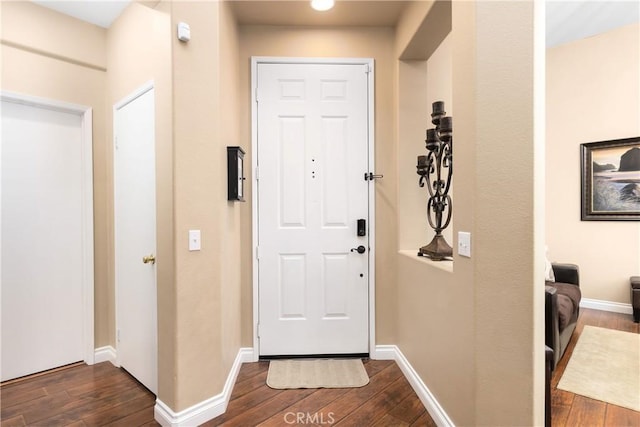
<point x="562" y="306"/>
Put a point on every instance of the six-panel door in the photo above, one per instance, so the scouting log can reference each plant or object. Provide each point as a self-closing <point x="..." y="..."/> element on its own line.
<point x="312" y="156"/>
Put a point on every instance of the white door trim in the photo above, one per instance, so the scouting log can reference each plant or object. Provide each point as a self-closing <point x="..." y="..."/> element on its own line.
<point x="255" y="60"/>
<point x="137" y="93"/>
<point x="86" y="117"/>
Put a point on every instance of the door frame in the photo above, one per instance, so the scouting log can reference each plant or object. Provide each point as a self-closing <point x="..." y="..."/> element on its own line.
<point x="365" y="62"/>
<point x="132" y="96"/>
<point x="87" y="227"/>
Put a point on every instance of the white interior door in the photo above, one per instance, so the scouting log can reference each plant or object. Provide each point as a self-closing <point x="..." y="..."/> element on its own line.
<point x="135" y="236"/>
<point x="42" y="239"/>
<point x="312" y="148"/>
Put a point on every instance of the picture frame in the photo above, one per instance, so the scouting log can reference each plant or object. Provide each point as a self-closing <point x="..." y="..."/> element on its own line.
<point x="610" y="183"/>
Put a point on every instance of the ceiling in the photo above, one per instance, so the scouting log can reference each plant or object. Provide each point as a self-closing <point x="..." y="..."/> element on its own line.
<point x="254" y="12"/>
<point x="573" y="20"/>
<point x="299" y="13"/>
<point x="566" y="20"/>
<point x="101" y="13"/>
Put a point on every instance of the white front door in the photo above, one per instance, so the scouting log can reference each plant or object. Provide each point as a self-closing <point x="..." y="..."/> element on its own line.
<point x="312" y="155"/>
<point x="135" y="236"/>
<point x="43" y="245"/>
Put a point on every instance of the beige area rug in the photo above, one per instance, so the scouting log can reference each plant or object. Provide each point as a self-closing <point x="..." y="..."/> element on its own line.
<point x="605" y="365"/>
<point x="316" y="373"/>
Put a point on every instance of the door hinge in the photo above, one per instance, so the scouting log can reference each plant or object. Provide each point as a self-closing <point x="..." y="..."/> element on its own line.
<point x="257" y="252"/>
<point x="256" y="94"/>
<point x="257" y="173"/>
<point x="116" y="138"/>
<point x="118" y="335"/>
<point x="258" y="330"/>
<point x="367" y="69"/>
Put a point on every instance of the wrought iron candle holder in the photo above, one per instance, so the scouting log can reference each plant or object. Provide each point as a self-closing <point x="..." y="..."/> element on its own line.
<point x="436" y="170"/>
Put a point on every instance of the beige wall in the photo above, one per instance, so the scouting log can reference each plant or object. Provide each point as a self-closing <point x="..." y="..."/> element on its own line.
<point x="197" y="160"/>
<point x="139" y="51"/>
<point x="232" y="270"/>
<point x="421" y="28"/>
<point x="430" y="295"/>
<point x="420" y="84"/>
<point x="369" y="42"/>
<point x="50" y="55"/>
<point x="435" y="300"/>
<point x="474" y="332"/>
<point x="207" y="282"/>
<point x="509" y="304"/>
<point x="593" y="94"/>
<point x="45" y="32"/>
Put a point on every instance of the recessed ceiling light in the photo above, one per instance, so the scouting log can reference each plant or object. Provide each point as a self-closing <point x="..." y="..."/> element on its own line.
<point x="322" y="5"/>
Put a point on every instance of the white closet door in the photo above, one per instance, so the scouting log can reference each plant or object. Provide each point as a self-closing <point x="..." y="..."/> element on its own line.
<point x="42" y="242"/>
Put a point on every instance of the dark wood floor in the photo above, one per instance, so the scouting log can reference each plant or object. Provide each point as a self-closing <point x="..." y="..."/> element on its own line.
<point x="388" y="400"/>
<point x="81" y="395"/>
<point x="104" y="395"/>
<point x="568" y="409"/>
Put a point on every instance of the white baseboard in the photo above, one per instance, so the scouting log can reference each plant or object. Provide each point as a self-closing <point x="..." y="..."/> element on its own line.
<point x="615" y="307"/>
<point x="217" y="405"/>
<point x="385" y="352"/>
<point x="437" y="412"/>
<point x="207" y="409"/>
<point x="105" y="354"/>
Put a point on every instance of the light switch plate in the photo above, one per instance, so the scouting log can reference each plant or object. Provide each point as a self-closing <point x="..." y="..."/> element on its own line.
<point x="464" y="244"/>
<point x="194" y="240"/>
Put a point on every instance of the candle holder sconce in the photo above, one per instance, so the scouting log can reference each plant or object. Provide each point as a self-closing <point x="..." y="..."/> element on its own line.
<point x="436" y="170"/>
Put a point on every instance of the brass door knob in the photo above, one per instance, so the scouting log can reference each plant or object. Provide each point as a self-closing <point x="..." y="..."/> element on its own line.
<point x="149" y="259"/>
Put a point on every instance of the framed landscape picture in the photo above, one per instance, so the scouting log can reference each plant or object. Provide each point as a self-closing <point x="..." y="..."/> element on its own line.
<point x="611" y="180"/>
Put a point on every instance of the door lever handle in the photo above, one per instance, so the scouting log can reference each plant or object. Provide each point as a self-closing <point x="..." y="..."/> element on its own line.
<point x="360" y="249"/>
